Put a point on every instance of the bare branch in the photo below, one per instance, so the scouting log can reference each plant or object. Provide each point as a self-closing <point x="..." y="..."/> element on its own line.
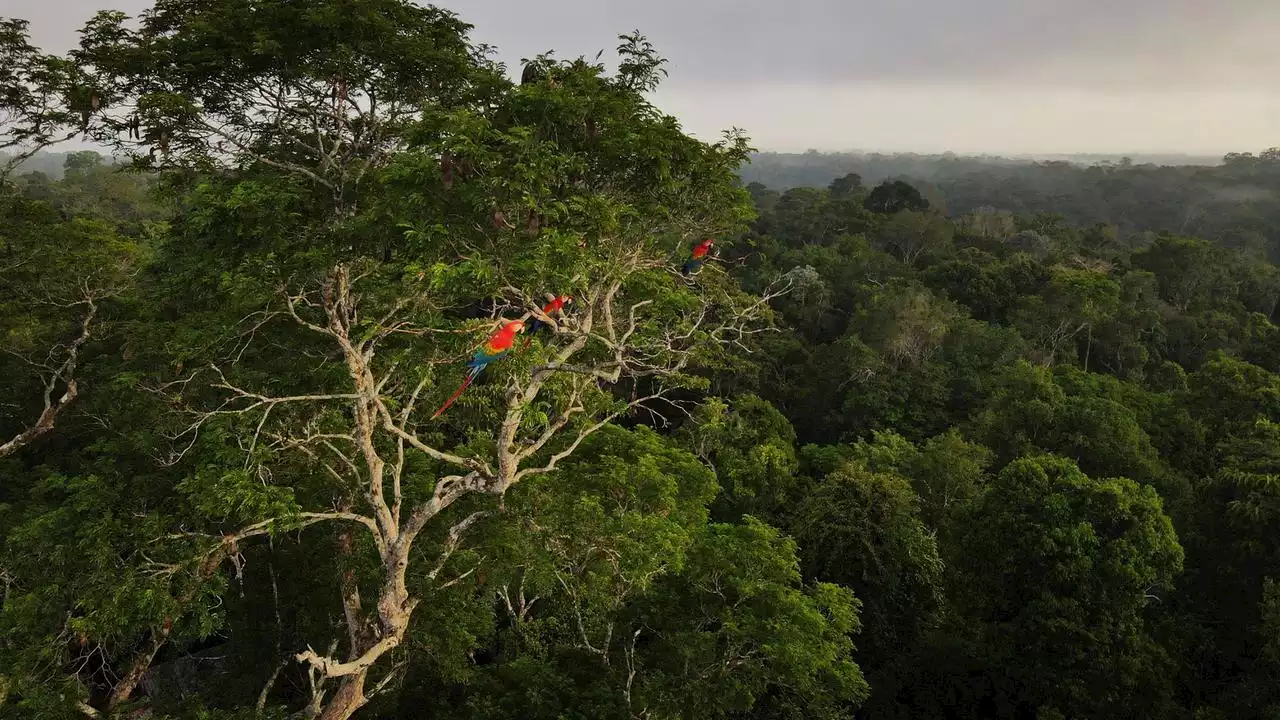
<point x="65" y="375"/>
<point x="583" y="434"/>
<point x="330" y="668"/>
<point x="454" y="539"/>
<point x="230" y="540"/>
<point x="261" y="705"/>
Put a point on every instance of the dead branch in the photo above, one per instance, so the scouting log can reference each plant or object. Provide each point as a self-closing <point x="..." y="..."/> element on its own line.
<point x="63" y="375"/>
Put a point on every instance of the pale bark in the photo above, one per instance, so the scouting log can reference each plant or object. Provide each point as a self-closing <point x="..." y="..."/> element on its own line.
<point x="63" y="375"/>
<point x="370" y="452"/>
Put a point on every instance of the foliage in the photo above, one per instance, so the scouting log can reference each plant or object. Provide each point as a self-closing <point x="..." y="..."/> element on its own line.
<point x="1050" y="554"/>
<point x="925" y="438"/>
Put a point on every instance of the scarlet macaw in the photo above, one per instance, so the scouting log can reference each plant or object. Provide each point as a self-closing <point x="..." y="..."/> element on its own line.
<point x="699" y="258"/>
<point x="550" y="309"/>
<point x="498" y="344"/>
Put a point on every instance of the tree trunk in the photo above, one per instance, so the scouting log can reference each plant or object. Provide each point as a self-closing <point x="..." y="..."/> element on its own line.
<point x="350" y="695"/>
<point x="367" y="645"/>
<point x="140" y="666"/>
<point x="349" y="698"/>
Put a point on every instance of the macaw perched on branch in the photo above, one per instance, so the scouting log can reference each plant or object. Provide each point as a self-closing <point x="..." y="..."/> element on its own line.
<point x="550" y="309"/>
<point x="700" y="252"/>
<point x="498" y="344"/>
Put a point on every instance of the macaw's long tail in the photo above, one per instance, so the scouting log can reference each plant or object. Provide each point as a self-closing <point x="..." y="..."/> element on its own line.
<point x="470" y="376"/>
<point x="691" y="267"/>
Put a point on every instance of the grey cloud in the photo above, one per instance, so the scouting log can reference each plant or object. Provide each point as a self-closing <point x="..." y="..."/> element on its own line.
<point x="966" y="75"/>
<point x="54" y="23"/>
<point x="1096" y="44"/>
<point x="1082" y="43"/>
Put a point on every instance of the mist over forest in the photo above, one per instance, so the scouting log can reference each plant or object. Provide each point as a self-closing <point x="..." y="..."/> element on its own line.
<point x="783" y="171"/>
<point x="358" y="374"/>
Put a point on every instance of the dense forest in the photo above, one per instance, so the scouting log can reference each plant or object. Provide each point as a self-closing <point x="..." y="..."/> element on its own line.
<point x="1231" y="202"/>
<point x="783" y="171"/>
<point x="1002" y="443"/>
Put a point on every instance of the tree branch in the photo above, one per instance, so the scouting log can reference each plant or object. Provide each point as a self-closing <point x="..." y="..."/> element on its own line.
<point x="64" y="374"/>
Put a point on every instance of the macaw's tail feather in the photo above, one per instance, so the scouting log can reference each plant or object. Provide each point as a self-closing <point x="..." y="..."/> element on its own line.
<point x="690" y="267"/>
<point x="470" y="376"/>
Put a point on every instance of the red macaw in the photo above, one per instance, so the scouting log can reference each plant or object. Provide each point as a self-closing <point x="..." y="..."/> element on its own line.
<point x="498" y="344"/>
<point x="550" y="309"/>
<point x="699" y="258"/>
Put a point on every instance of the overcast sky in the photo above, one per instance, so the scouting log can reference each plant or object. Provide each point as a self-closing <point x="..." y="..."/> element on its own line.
<point x="1011" y="76"/>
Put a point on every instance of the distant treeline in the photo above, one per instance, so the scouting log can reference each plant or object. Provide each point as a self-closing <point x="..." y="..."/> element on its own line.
<point x="1234" y="201"/>
<point x="48" y="163"/>
<point x="782" y="171"/>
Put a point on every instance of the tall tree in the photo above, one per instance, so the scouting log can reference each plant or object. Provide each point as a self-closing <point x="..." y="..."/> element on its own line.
<point x="1058" y="568"/>
<point x="894" y="196"/>
<point x="362" y="186"/>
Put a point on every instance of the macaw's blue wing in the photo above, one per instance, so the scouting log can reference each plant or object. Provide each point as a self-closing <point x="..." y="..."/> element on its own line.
<point x="532" y="329"/>
<point x="483" y="357"/>
<point x="693" y="266"/>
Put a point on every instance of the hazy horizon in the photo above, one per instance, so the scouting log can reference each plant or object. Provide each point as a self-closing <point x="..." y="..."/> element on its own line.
<point x="997" y="77"/>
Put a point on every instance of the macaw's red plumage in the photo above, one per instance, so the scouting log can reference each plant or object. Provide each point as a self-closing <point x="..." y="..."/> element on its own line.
<point x="700" y="256"/>
<point x="556" y="305"/>
<point x="550" y="310"/>
<point x="498" y="344"/>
